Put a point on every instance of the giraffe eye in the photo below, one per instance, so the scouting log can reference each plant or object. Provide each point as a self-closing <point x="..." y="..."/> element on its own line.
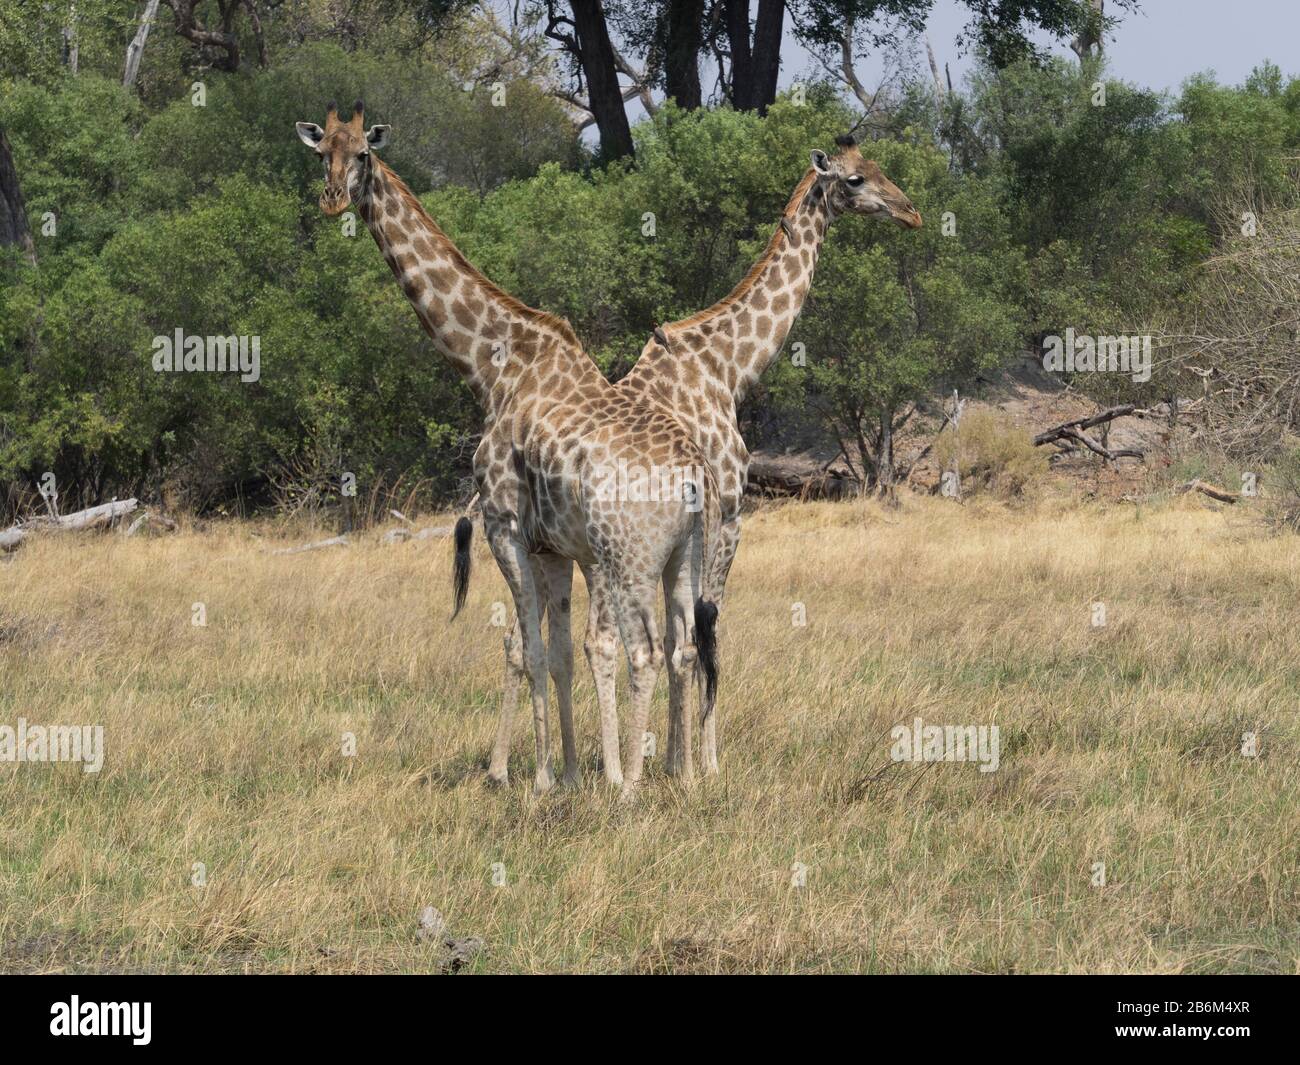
<point x="855" y="181"/>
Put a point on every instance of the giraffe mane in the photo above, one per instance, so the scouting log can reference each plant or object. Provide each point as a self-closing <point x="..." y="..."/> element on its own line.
<point x="751" y="278"/>
<point x="554" y="322"/>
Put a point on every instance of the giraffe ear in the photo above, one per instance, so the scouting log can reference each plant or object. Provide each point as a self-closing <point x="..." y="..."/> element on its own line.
<point x="377" y="136"/>
<point x="821" y="163"/>
<point x="309" y="133"/>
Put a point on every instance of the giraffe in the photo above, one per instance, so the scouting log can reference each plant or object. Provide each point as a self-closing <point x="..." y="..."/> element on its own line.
<point x="555" y="434"/>
<point x="702" y="367"/>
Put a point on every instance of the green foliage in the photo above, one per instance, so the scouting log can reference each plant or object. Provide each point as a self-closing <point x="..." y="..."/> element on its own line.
<point x="714" y="180"/>
<point x="32" y="43"/>
<point x="204" y="219"/>
<point x="1237" y="142"/>
<point x="152" y="214"/>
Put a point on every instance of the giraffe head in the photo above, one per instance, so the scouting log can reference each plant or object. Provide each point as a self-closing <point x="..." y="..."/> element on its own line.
<point x="345" y="149"/>
<point x="851" y="183"/>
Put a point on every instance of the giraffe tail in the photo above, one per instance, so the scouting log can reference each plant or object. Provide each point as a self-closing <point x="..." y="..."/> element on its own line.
<point x="461" y="564"/>
<point x="706" y="644"/>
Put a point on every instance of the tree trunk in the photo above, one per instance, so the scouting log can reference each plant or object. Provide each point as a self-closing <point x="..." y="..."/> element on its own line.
<point x="135" y="50"/>
<point x="13" y="214"/>
<point x="742" y="63"/>
<point x="885" y="459"/>
<point x="225" y="40"/>
<point x="1089" y="41"/>
<point x="15" y="231"/>
<point x="768" y="28"/>
<point x="934" y="72"/>
<point x="71" y="51"/>
<point x="682" y="52"/>
<point x="93" y="518"/>
<point x="596" y="54"/>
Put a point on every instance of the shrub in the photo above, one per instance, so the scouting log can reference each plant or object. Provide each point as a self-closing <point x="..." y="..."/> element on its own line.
<point x="991" y="455"/>
<point x="1283" y="507"/>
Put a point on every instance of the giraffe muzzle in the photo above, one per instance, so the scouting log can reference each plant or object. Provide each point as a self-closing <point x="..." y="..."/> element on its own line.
<point x="333" y="203"/>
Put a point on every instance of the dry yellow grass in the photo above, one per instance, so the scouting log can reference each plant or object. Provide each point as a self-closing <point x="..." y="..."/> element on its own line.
<point x="1119" y="745"/>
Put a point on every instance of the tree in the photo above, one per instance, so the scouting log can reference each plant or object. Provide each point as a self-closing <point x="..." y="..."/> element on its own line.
<point x="756" y="63"/>
<point x="585" y="36"/>
<point x="685" y="39"/>
<point x="218" y="47"/>
<point x="1088" y="43"/>
<point x="1001" y="28"/>
<point x="135" y="50"/>
<point x="14" y="230"/>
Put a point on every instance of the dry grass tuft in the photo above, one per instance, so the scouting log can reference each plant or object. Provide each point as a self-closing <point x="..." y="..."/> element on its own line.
<point x="224" y="747"/>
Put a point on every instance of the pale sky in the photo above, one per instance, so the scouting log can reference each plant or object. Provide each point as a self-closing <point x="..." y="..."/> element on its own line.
<point x="1157" y="47"/>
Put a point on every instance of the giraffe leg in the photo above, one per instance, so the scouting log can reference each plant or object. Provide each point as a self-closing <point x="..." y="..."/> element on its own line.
<point x="724" y="555"/>
<point x="635" y="611"/>
<point x="498" y="767"/>
<point x="680" y="656"/>
<point x="673" y="746"/>
<point x="601" y="647"/>
<point x="558" y="575"/>
<point x="516" y="567"/>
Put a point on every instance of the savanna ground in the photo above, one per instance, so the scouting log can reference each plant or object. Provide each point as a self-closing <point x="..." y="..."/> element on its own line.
<point x="1120" y="745"/>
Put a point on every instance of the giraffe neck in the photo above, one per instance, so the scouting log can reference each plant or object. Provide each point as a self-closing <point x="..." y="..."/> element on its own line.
<point x="489" y="337"/>
<point x="737" y="338"/>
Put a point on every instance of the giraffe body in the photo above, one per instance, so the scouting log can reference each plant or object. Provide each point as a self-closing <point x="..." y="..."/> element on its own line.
<point x="552" y="467"/>
<point x="702" y="367"/>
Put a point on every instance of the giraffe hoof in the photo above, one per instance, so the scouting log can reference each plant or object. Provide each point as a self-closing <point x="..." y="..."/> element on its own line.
<point x="628" y="795"/>
<point x="497" y="779"/>
<point x="571" y="780"/>
<point x="543" y="783"/>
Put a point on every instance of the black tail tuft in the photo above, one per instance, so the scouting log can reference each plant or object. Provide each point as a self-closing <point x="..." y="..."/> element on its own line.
<point x="706" y="644"/>
<point x="460" y="568"/>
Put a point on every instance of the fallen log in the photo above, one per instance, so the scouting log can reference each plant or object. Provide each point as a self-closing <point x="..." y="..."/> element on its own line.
<point x="149" y="518"/>
<point x="400" y="536"/>
<point x="91" y="518"/>
<point x="1092" y="420"/>
<point x="1109" y="454"/>
<point x="1074" y="431"/>
<point x="1213" y="491"/>
<point x="791" y="475"/>
<point x="334" y="541"/>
